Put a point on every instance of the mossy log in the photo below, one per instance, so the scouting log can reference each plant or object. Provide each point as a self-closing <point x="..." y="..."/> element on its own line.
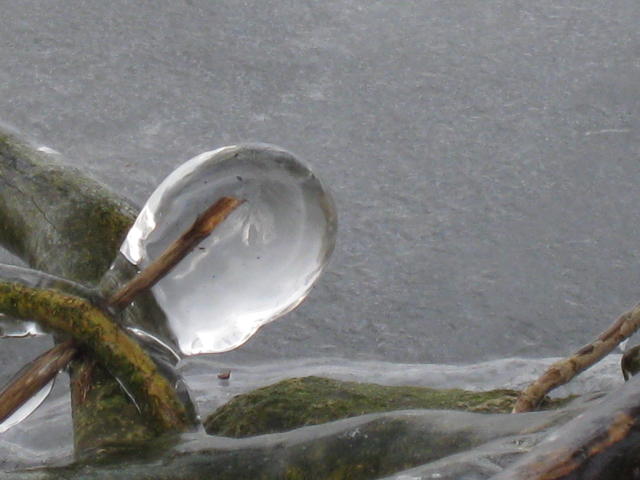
<point x="61" y="222"/>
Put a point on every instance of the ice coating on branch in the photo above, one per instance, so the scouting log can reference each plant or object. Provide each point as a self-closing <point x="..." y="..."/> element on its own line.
<point x="257" y="265"/>
<point x="13" y="327"/>
<point x="27" y="408"/>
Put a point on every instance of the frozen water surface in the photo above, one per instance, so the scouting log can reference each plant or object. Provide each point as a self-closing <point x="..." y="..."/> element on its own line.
<point x="257" y="265"/>
<point x="483" y="155"/>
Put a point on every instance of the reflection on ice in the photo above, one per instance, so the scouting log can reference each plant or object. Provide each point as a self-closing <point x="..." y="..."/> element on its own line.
<point x="13" y="328"/>
<point x="27" y="408"/>
<point x="257" y="265"/>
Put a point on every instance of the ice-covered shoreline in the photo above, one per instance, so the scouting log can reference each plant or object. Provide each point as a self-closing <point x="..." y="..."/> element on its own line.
<point x="45" y="438"/>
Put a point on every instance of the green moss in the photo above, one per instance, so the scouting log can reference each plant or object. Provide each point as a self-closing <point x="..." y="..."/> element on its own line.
<point x="60" y="221"/>
<point x="98" y="430"/>
<point x="297" y="402"/>
<point x="294" y="473"/>
<point x="92" y="329"/>
<point x="95" y="247"/>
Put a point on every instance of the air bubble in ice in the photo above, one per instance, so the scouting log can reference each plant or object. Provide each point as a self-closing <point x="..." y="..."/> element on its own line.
<point x="257" y="265"/>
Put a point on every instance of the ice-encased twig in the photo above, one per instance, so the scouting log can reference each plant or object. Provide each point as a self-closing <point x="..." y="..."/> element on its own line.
<point x="564" y="370"/>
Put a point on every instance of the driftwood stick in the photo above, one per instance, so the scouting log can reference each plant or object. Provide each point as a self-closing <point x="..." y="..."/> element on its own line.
<point x="564" y="370"/>
<point x="47" y="365"/>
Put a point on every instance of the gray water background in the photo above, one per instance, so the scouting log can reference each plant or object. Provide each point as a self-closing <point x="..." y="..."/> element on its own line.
<point x="484" y="156"/>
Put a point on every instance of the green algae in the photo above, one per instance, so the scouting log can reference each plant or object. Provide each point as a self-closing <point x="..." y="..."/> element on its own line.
<point x="298" y="402"/>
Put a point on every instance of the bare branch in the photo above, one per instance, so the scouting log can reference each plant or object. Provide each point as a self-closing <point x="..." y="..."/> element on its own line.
<point x="564" y="370"/>
<point x="37" y="374"/>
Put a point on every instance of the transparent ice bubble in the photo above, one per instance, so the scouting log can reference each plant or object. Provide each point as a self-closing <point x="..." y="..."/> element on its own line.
<point x="257" y="265"/>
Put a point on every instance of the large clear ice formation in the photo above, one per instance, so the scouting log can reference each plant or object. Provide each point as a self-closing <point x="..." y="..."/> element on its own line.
<point x="257" y="265"/>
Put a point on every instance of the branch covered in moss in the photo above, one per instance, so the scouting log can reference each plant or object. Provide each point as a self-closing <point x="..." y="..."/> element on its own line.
<point x="62" y="222"/>
<point x="90" y="327"/>
<point x="43" y="369"/>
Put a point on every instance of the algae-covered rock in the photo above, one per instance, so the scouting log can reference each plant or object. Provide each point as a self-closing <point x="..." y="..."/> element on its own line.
<point x="297" y="402"/>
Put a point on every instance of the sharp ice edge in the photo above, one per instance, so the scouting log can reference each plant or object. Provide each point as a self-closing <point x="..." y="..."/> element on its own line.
<point x="36" y="278"/>
<point x="48" y="150"/>
<point x="11" y="327"/>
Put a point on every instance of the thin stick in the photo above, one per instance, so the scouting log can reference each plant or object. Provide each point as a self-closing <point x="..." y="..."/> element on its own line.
<point x="200" y="229"/>
<point x="36" y="375"/>
<point x="45" y="367"/>
<point x="564" y="370"/>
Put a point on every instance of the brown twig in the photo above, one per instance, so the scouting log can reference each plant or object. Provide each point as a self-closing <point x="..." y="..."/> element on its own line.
<point x="41" y="370"/>
<point x="200" y="229"/>
<point x="564" y="370"/>
<point x="36" y="375"/>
